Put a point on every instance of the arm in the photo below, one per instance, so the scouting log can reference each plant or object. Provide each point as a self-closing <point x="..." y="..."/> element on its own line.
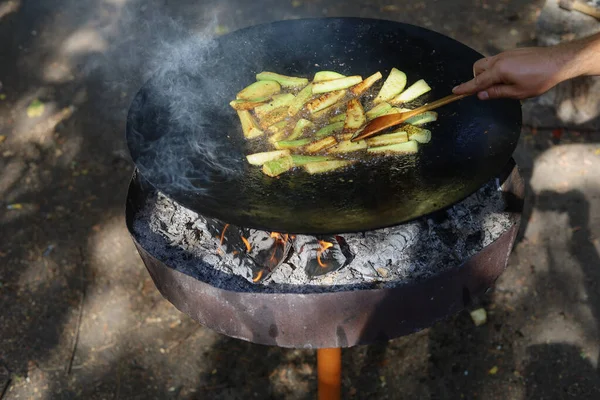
<point x="532" y="71"/>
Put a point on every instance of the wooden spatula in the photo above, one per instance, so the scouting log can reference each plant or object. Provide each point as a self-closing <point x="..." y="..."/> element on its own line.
<point x="380" y="123"/>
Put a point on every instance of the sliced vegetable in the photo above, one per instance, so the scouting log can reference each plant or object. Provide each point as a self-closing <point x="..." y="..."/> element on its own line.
<point x="279" y="136"/>
<point x="418" y="134"/>
<point x="325" y="166"/>
<point x="248" y="104"/>
<point x="409" y="147"/>
<point x="338" y="118"/>
<point x="299" y="101"/>
<point x="347" y="146"/>
<point x="355" y="116"/>
<point x="330" y="129"/>
<point x="326" y="100"/>
<point x="422" y="119"/>
<point x="261" y="158"/>
<point x="274" y="117"/>
<point x="336" y="84"/>
<point x="301" y="126"/>
<point x="278" y="166"/>
<point x="393" y="85"/>
<point x="366" y="84"/>
<point x="417" y="89"/>
<point x="278" y="127"/>
<point x="379" y="109"/>
<point x="290" y="144"/>
<point x="326" y="111"/>
<point x="279" y="100"/>
<point x="301" y="160"/>
<point x="249" y="125"/>
<point x="283" y="80"/>
<point x="327" y="76"/>
<point x="320" y="145"/>
<point x="387" y="139"/>
<point x="259" y="89"/>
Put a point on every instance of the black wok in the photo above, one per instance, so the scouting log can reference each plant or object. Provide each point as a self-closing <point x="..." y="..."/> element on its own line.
<point x="186" y="140"/>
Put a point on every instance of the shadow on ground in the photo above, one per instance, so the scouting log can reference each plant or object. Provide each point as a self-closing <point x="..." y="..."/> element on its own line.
<point x="65" y="253"/>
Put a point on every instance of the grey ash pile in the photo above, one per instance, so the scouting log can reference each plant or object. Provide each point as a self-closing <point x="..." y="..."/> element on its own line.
<point x="187" y="242"/>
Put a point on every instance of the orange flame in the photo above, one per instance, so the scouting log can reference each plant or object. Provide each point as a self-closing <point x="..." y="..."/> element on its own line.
<point x="223" y="233"/>
<point x="247" y="243"/>
<point x="324" y="246"/>
<point x="279" y="239"/>
<point x="258" y="276"/>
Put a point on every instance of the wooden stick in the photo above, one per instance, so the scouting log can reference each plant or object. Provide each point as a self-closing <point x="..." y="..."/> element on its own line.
<point x="329" y="370"/>
<point x="380" y="123"/>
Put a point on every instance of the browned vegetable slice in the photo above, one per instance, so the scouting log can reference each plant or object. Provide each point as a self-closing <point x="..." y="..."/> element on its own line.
<point x="320" y="145"/>
<point x="366" y="84"/>
<point x="326" y="100"/>
<point x="278" y="100"/>
<point x="278" y="127"/>
<point x="387" y="139"/>
<point x="274" y="117"/>
<point x="259" y="89"/>
<point x="355" y="116"/>
<point x="409" y="147"/>
<point x="248" y="104"/>
<point x="337" y="118"/>
<point x="249" y="126"/>
<point x="347" y="146"/>
<point x="301" y="99"/>
<point x="325" y="166"/>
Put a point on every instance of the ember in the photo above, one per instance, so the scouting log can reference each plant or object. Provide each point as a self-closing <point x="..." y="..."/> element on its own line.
<point x="324" y="246"/>
<point x="410" y="251"/>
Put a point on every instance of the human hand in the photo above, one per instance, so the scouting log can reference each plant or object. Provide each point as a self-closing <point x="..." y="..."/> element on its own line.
<point x="518" y="74"/>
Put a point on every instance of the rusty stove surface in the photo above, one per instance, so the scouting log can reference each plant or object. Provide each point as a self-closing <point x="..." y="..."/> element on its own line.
<point x="336" y="318"/>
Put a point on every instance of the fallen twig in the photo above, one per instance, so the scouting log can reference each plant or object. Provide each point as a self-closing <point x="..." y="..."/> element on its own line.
<point x="81" y="301"/>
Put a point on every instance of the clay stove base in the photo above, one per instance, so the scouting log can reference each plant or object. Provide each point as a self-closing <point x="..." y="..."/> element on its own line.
<point x="341" y="318"/>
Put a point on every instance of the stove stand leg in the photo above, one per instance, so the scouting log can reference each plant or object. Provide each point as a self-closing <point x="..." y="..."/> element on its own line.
<point x="329" y="371"/>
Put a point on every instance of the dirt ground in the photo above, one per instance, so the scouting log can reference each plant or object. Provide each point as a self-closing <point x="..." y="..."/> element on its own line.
<point x="80" y="316"/>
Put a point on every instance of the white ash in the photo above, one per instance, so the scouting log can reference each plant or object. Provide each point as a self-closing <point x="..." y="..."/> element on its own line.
<point x="381" y="258"/>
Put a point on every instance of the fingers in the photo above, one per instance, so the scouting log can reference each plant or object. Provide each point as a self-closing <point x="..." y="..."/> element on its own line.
<point x="499" y="91"/>
<point x="481" y="82"/>
<point x="482" y="65"/>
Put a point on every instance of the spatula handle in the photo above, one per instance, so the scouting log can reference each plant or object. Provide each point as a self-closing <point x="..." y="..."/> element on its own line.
<point x="441" y="102"/>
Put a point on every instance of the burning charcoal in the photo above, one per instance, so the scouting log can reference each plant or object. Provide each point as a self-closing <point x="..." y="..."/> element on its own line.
<point x="323" y="255"/>
<point x="230" y="237"/>
<point x="268" y="251"/>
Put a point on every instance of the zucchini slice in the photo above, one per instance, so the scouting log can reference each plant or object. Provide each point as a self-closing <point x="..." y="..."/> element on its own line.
<point x="355" y="116"/>
<point x="366" y="84"/>
<point x="347" y="146"/>
<point x="299" y="101"/>
<point x="330" y="129"/>
<point x="417" y="89"/>
<point x="279" y="100"/>
<point x="261" y="158"/>
<point x="393" y="85"/>
<point x="388" y="138"/>
<point x="248" y="104"/>
<point x="249" y="125"/>
<point x="301" y="160"/>
<point x="327" y="76"/>
<point x="378" y="110"/>
<point x="301" y="126"/>
<point x="278" y="166"/>
<point x="259" y="89"/>
<point x="284" y="80"/>
<point x="322" y="144"/>
<point x="409" y="147"/>
<point x="336" y="84"/>
<point x="325" y="166"/>
<point x="326" y="100"/>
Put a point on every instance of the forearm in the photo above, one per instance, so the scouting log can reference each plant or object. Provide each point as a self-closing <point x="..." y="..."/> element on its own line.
<point x="581" y="57"/>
